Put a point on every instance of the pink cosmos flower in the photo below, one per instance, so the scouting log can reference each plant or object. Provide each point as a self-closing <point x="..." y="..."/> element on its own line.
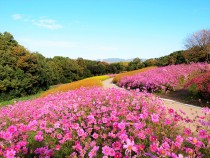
<point x="59" y="136"/>
<point x="115" y="125"/>
<point x="141" y="147"/>
<point x="22" y="143"/>
<point x="93" y="152"/>
<point x="80" y="132"/>
<point x="177" y="144"/>
<point x="187" y="131"/>
<point x="141" y="135"/>
<point x="112" y="135"/>
<point x="202" y="134"/>
<point x="138" y="125"/>
<point x="166" y="146"/>
<point x="162" y="152"/>
<point x="118" y="155"/>
<point x="123" y="137"/>
<point x="105" y="150"/>
<point x="17" y="148"/>
<point x="111" y="152"/>
<point x="57" y="125"/>
<point x="7" y="136"/>
<point x="68" y="136"/>
<point x="148" y="131"/>
<point x="25" y="150"/>
<point x="179" y="139"/>
<point x="12" y="129"/>
<point x="39" y="133"/>
<point x="171" y="111"/>
<point x="129" y="146"/>
<point x="75" y="126"/>
<point x="95" y="135"/>
<point x="155" y="118"/>
<point x="189" y="151"/>
<point x="77" y="146"/>
<point x="91" y="119"/>
<point x="57" y="147"/>
<point x="116" y="145"/>
<point x="43" y="125"/>
<point x="39" y="138"/>
<point x="208" y="137"/>
<point x="104" y="120"/>
<point x="194" y="141"/>
<point x="153" y="147"/>
<point x="167" y="122"/>
<point x="10" y="153"/>
<point x="152" y="138"/>
<point x="121" y="125"/>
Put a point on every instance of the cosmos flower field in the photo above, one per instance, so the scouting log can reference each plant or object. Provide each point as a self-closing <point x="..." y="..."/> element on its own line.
<point x="163" y="78"/>
<point x="100" y="122"/>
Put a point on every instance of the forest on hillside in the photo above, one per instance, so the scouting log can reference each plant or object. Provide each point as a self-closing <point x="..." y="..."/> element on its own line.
<point x="24" y="73"/>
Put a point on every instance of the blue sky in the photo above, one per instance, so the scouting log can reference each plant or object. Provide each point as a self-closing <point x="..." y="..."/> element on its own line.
<point x="95" y="29"/>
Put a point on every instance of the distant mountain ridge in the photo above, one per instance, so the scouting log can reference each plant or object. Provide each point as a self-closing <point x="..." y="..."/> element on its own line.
<point x="115" y="60"/>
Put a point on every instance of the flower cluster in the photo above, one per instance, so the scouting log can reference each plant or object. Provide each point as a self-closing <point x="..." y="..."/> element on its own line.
<point x="200" y="84"/>
<point x="99" y="123"/>
<point x="162" y="78"/>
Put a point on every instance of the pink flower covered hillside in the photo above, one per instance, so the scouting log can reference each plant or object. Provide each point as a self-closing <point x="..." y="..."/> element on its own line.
<point x="163" y="78"/>
<point x="99" y="123"/>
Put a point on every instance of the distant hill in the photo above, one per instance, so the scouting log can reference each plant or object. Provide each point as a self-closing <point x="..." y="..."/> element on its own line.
<point x="115" y="60"/>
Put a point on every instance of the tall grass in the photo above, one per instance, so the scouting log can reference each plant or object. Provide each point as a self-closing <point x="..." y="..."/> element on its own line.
<point x="12" y="101"/>
<point x="89" y="82"/>
<point x="118" y="77"/>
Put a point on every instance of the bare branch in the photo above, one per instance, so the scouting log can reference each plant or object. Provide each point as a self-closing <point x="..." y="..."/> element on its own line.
<point x="200" y="39"/>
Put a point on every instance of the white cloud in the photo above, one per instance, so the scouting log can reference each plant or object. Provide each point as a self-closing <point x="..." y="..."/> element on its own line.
<point x="17" y="16"/>
<point x="40" y="22"/>
<point x="47" y="23"/>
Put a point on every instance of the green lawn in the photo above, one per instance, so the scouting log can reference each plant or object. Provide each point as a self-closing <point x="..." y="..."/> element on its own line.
<point x="11" y="102"/>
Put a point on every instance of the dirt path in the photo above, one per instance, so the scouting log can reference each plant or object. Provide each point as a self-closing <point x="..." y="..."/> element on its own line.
<point x="190" y="111"/>
<point x="108" y="84"/>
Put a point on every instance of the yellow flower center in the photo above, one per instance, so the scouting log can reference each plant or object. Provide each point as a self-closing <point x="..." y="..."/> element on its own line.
<point x="194" y="140"/>
<point x="129" y="147"/>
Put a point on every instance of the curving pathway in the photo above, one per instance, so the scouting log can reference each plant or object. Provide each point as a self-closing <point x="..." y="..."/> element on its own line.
<point x="191" y="111"/>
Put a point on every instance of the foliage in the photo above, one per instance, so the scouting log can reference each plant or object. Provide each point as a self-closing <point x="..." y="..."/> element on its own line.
<point x="98" y="122"/>
<point x="196" y="54"/>
<point x="20" y="72"/>
<point x="162" y="78"/>
<point x="135" y="64"/>
<point x="200" y="85"/>
<point x="89" y="82"/>
<point x="118" y="77"/>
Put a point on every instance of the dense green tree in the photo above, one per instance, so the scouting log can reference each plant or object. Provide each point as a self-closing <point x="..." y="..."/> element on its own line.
<point x="195" y="54"/>
<point x="150" y="62"/>
<point x="135" y="64"/>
